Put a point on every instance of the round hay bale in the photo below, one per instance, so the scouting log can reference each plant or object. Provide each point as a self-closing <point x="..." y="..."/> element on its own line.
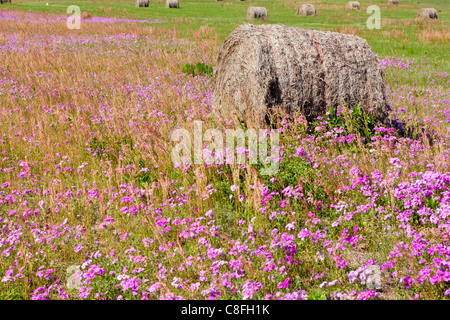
<point x="353" y="5"/>
<point x="300" y="71"/>
<point x="172" y="4"/>
<point x="257" y="13"/>
<point x="85" y="15"/>
<point x="427" y="13"/>
<point x="393" y="1"/>
<point x="5" y="1"/>
<point x="306" y="10"/>
<point x="142" y="3"/>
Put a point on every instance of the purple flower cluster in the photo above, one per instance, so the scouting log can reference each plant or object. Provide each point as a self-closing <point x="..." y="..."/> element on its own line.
<point x="86" y="182"/>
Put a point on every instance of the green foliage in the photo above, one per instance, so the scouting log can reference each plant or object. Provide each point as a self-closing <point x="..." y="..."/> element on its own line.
<point x="317" y="295"/>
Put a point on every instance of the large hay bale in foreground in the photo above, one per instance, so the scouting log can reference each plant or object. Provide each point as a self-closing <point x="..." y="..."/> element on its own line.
<point x="427" y="13"/>
<point x="172" y="4"/>
<point x="353" y="5"/>
<point x="393" y="2"/>
<point x="257" y="13"/>
<point x="302" y="71"/>
<point x="306" y="10"/>
<point x="142" y="3"/>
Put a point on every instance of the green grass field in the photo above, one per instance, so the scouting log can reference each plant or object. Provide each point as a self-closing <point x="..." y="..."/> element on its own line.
<point x="87" y="180"/>
<point x="400" y="34"/>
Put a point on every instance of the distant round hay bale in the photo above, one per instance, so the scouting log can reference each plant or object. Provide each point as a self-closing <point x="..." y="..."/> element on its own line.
<point x="85" y="15"/>
<point x="257" y="13"/>
<point x="172" y="4"/>
<point x="306" y="10"/>
<point x="427" y="13"/>
<point x="142" y="3"/>
<point x="393" y="1"/>
<point x="300" y="71"/>
<point x="353" y="5"/>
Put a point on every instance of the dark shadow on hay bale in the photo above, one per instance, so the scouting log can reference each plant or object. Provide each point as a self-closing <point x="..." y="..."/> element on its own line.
<point x="353" y="5"/>
<point x="85" y="15"/>
<point x="427" y="13"/>
<point x="301" y="71"/>
<point x="142" y="3"/>
<point x="306" y="10"/>
<point x="172" y="4"/>
<point x="257" y="13"/>
<point x="393" y="2"/>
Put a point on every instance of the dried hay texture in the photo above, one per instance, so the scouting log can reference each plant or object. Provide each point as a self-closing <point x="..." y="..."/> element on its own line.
<point x="142" y="3"/>
<point x="257" y="13"/>
<point x="301" y="71"/>
<point x="427" y="13"/>
<point x="306" y="10"/>
<point x="172" y="4"/>
<point x="393" y="1"/>
<point x="353" y="5"/>
<point x="85" y="15"/>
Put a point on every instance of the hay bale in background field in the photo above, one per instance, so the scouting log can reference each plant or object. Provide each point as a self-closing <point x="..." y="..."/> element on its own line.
<point x="393" y="1"/>
<point x="257" y="13"/>
<point x="427" y="13"/>
<point x="5" y="1"/>
<point x="353" y="5"/>
<point x="172" y="4"/>
<point x="301" y="71"/>
<point x="306" y="10"/>
<point x="85" y="15"/>
<point x="142" y="3"/>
